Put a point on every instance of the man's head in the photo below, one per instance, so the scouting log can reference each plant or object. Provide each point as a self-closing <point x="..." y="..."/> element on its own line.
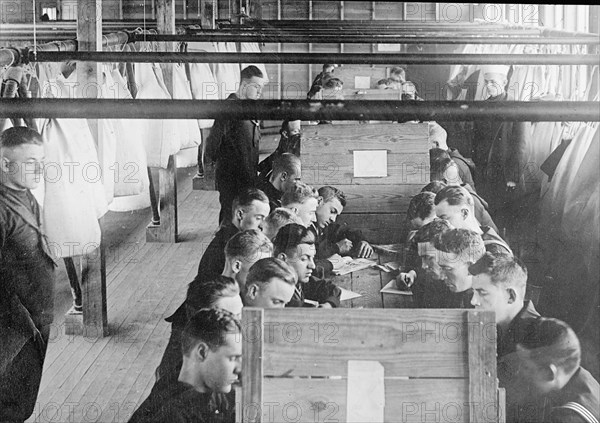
<point x="495" y="79"/>
<point x="242" y="251"/>
<point x="333" y="84"/>
<point x="249" y="209"/>
<point x="252" y="83"/>
<point x="443" y="168"/>
<point x="457" y="249"/>
<point x="421" y="210"/>
<point x="21" y="158"/>
<point x="328" y="68"/>
<point x="434" y="186"/>
<point x="437" y="136"/>
<point x="303" y="200"/>
<point x="295" y="244"/>
<point x="398" y="74"/>
<point x="548" y="356"/>
<point x="290" y="128"/>
<point x="499" y="283"/>
<point x="221" y="292"/>
<point x="331" y="205"/>
<point x="287" y="170"/>
<point x="270" y="284"/>
<point x="212" y="351"/>
<point x="455" y="204"/>
<point x="424" y="239"/>
<point x="278" y="218"/>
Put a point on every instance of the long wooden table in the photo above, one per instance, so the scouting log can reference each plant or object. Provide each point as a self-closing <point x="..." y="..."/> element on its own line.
<point x="369" y="282"/>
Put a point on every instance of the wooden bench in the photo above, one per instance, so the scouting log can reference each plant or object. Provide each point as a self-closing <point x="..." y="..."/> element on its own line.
<point x="350" y="365"/>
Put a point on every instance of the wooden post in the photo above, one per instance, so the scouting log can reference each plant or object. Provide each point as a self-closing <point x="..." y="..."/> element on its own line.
<point x="252" y="366"/>
<point x="93" y="275"/>
<point x="166" y="231"/>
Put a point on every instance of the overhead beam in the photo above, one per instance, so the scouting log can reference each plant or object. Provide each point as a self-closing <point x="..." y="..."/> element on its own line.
<point x="547" y="111"/>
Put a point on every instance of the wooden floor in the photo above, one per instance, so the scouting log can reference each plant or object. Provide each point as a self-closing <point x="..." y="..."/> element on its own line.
<point x="104" y="379"/>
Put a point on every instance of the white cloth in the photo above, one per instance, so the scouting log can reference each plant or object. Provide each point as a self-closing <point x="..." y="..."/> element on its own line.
<point x="254" y="48"/>
<point x="227" y="74"/>
<point x="188" y="128"/>
<point x="202" y="81"/>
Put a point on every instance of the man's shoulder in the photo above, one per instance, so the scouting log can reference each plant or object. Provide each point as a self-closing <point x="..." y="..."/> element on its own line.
<point x="190" y="405"/>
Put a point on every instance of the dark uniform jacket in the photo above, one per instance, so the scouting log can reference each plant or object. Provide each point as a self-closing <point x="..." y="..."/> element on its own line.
<point x="508" y="340"/>
<point x="319" y="290"/>
<point x="459" y="299"/>
<point x="272" y="193"/>
<point x="481" y="208"/>
<point x="493" y="242"/>
<point x="233" y="145"/>
<point x="174" y="401"/>
<point x="466" y="167"/>
<point x="290" y="145"/>
<point x="213" y="260"/>
<point x="26" y="275"/>
<point x="576" y="402"/>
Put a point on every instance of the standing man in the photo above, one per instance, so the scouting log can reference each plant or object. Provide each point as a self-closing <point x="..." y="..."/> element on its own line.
<point x="234" y="144"/>
<point x="26" y="275"/>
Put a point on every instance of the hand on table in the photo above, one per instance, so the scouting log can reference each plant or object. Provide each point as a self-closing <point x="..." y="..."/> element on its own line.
<point x="345" y="245"/>
<point x="364" y="250"/>
<point x="406" y="279"/>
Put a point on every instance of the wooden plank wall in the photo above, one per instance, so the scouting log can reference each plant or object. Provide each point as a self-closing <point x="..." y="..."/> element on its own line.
<point x="375" y="205"/>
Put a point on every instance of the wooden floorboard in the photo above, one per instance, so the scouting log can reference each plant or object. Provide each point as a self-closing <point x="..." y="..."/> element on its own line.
<point x="105" y="379"/>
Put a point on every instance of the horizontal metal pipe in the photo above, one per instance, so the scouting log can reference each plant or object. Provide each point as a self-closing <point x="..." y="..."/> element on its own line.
<point x="301" y="58"/>
<point x="301" y="109"/>
<point x="361" y="39"/>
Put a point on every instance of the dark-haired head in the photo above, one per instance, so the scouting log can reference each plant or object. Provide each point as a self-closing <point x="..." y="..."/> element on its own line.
<point x="209" y="294"/>
<point x="19" y="135"/>
<point x="290" y="236"/>
<point x="434" y="186"/>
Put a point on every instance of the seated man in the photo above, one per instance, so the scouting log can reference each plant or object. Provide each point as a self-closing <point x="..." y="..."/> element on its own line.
<point x="423" y="274"/>
<point x="286" y="171"/>
<point x="270" y="283"/>
<point x="211" y="350"/>
<point x="295" y="244"/>
<point x="332" y="238"/>
<point x="455" y="204"/>
<point x="277" y="219"/>
<point x="303" y="200"/>
<point x="420" y="212"/>
<point x="320" y="79"/>
<point x="499" y="284"/>
<point x="552" y="386"/>
<point x="290" y="142"/>
<point x="241" y="252"/>
<point x="249" y="210"/>
<point x="457" y="249"/>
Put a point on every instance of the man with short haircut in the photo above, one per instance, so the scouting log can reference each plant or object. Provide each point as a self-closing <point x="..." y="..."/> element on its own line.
<point x="27" y="275"/>
<point x="289" y="142"/>
<point x="499" y="285"/>
<point x="286" y="171"/>
<point x="278" y="218"/>
<point x="331" y="237"/>
<point x="249" y="210"/>
<point x="455" y="204"/>
<point x="457" y="249"/>
<point x="270" y="283"/>
<point x="434" y="186"/>
<point x="211" y="347"/>
<point x="421" y="210"/>
<point x="295" y="244"/>
<point x="551" y="385"/>
<point x="303" y="200"/>
<point x="234" y="145"/>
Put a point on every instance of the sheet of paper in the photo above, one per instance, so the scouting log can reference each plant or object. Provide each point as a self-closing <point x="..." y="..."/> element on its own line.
<point x="388" y="248"/>
<point x="389" y="47"/>
<point x="366" y="392"/>
<point x="370" y="163"/>
<point x="362" y="82"/>
<point x="390" y="288"/>
<point x="348" y="295"/>
<point x="354" y="265"/>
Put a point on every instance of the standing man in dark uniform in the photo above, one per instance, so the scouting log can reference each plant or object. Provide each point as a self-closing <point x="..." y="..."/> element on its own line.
<point x="26" y="275"/>
<point x="499" y="151"/>
<point x="233" y="145"/>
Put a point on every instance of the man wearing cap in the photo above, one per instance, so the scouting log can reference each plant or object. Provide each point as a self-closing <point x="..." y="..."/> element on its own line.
<point x="499" y="146"/>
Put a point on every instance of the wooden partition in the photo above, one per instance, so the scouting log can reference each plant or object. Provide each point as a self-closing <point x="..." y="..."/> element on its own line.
<point x="376" y="205"/>
<point x="307" y="365"/>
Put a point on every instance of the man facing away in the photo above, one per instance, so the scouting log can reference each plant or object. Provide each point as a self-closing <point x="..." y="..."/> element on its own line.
<point x="234" y="144"/>
<point x="211" y="349"/>
<point x="287" y="170"/>
<point x="27" y="273"/>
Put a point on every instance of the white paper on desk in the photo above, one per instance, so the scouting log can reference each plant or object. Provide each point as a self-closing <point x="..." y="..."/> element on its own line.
<point x="348" y="295"/>
<point x="366" y="392"/>
<point x="353" y="266"/>
<point x="388" y="248"/>
<point x="370" y="163"/>
<point x="390" y="288"/>
<point x="362" y="82"/>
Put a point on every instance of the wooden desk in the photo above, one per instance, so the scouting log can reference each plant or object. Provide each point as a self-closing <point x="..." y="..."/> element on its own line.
<point x="368" y="283"/>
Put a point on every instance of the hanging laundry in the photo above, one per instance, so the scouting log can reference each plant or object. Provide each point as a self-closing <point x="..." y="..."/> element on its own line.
<point x="161" y="137"/>
<point x="74" y="197"/>
<point x="227" y="74"/>
<point x="254" y="48"/>
<point x="189" y="129"/>
<point x="202" y="81"/>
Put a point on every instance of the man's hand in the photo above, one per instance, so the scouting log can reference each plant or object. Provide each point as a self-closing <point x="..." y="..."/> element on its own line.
<point x="406" y="279"/>
<point x="345" y="245"/>
<point x="325" y="305"/>
<point x="364" y="250"/>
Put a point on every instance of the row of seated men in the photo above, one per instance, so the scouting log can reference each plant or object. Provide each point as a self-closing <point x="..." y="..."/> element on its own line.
<point x="269" y="254"/>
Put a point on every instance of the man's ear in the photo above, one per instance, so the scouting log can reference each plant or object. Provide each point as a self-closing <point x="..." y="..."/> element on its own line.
<point x="239" y="214"/>
<point x="252" y="291"/>
<point x="464" y="212"/>
<point x="236" y="266"/>
<point x="551" y="372"/>
<point x="283" y="176"/>
<point x="295" y="210"/>
<point x="320" y="200"/>
<point x="282" y="256"/>
<point x="512" y="295"/>
<point x="201" y="351"/>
